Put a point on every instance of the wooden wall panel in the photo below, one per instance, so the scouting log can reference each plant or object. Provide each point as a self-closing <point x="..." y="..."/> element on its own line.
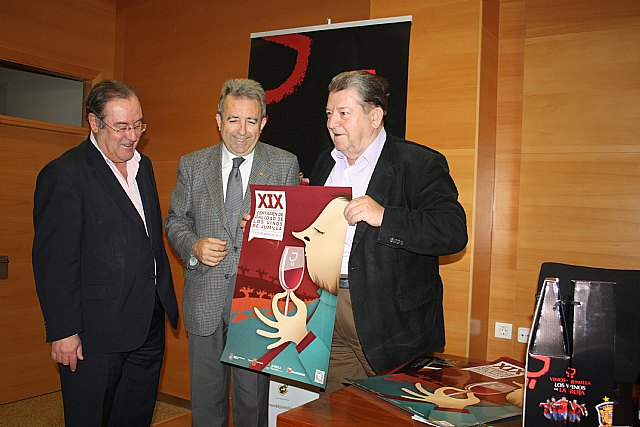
<point x="484" y="181"/>
<point x="580" y="208"/>
<point x="72" y="37"/>
<point x="581" y="142"/>
<point x="583" y="91"/>
<point x="507" y="175"/>
<point x="443" y="67"/>
<point x="462" y="170"/>
<point x="442" y="113"/>
<point x="457" y="305"/>
<point x="23" y="152"/>
<point x="547" y="18"/>
<point x="573" y="169"/>
<point x="76" y="32"/>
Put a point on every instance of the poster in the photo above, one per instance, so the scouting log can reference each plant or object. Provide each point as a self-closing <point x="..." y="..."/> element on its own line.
<point x="283" y="307"/>
<point x="442" y="392"/>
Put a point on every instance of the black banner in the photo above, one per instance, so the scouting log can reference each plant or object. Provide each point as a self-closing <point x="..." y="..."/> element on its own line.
<point x="296" y="66"/>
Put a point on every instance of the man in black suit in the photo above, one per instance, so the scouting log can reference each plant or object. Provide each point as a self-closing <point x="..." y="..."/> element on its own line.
<point x="100" y="266"/>
<point x="403" y="216"/>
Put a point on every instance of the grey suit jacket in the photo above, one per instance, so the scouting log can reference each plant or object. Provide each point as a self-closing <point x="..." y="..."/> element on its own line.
<point x="197" y="211"/>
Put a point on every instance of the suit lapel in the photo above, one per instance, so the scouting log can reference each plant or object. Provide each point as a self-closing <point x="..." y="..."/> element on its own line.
<point x="260" y="173"/>
<point x="320" y="176"/>
<point x="112" y="188"/>
<point x="212" y="176"/>
<point x="149" y="202"/>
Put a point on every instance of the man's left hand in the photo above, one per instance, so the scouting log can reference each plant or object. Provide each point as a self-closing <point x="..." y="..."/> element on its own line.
<point x="365" y="209"/>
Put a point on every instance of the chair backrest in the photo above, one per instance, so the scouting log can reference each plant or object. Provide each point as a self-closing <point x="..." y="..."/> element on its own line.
<point x="627" y="310"/>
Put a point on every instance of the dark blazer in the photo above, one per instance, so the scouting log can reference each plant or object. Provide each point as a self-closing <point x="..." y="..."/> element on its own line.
<point x="92" y="259"/>
<point x="394" y="281"/>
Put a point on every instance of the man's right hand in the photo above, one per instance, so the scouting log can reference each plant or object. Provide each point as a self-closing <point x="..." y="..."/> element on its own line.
<point x="245" y="218"/>
<point x="210" y="251"/>
<point x="67" y="351"/>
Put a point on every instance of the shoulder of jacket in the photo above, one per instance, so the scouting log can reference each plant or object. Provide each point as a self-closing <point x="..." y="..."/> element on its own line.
<point x="198" y="155"/>
<point x="272" y="150"/>
<point x="71" y="160"/>
<point x="412" y="148"/>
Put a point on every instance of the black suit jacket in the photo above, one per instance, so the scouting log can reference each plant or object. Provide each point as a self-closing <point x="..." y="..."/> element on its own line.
<point x="93" y="261"/>
<point x="394" y="281"/>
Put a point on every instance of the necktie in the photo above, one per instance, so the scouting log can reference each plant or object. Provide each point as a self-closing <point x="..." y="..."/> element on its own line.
<point x="233" y="199"/>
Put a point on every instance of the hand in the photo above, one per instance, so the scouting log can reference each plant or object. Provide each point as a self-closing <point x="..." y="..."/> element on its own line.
<point x="365" y="209"/>
<point x="245" y="218"/>
<point x="67" y="351"/>
<point x="441" y="399"/>
<point x="210" y="251"/>
<point x="292" y="328"/>
<point x="516" y="397"/>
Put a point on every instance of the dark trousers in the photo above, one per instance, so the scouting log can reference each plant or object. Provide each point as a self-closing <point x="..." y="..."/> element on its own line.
<point x="210" y="382"/>
<point x="116" y="389"/>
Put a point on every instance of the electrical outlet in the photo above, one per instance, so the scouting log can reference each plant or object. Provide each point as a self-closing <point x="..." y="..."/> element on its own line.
<point x="523" y="335"/>
<point x="503" y="330"/>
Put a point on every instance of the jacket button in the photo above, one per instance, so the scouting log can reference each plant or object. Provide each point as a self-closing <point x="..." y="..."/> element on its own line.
<point x="153" y="277"/>
<point x="226" y="276"/>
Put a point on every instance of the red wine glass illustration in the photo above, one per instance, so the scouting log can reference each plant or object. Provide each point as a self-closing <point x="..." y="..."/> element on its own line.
<point x="291" y="270"/>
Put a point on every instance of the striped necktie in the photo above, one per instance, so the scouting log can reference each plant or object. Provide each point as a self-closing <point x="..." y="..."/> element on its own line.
<point x="233" y="199"/>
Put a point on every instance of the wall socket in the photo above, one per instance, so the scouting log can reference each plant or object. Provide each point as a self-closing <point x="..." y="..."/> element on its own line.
<point x="503" y="330"/>
<point x="523" y="335"/>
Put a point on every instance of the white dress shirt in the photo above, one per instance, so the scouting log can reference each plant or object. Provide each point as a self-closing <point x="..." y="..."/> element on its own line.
<point x="357" y="177"/>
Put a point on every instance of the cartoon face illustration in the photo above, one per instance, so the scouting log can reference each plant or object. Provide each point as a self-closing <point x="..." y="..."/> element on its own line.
<point x="324" y="241"/>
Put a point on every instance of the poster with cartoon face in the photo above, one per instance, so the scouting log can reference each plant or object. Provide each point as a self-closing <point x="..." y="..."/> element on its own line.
<point x="465" y="394"/>
<point x="283" y="307"/>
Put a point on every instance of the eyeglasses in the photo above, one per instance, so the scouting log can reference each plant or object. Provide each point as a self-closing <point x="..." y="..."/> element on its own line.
<point x="138" y="128"/>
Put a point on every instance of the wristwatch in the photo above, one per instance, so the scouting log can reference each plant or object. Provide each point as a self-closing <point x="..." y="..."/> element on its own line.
<point x="193" y="262"/>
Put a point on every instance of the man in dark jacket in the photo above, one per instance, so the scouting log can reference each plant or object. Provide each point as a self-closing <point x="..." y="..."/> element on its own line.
<point x="403" y="216"/>
<point x="100" y="266"/>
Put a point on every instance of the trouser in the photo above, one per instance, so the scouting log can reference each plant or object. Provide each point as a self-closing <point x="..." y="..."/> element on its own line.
<point x="210" y="382"/>
<point x="347" y="358"/>
<point x="116" y="389"/>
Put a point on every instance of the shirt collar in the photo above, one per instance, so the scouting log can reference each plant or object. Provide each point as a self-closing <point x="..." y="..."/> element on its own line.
<point x="135" y="158"/>
<point x="227" y="156"/>
<point x="370" y="155"/>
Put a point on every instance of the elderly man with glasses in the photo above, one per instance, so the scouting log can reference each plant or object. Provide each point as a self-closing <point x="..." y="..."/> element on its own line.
<point x="101" y="269"/>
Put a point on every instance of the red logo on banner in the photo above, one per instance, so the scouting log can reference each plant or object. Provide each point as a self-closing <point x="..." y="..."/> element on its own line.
<point x="302" y="45"/>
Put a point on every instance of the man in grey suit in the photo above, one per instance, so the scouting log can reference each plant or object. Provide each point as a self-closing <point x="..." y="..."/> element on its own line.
<point x="205" y="231"/>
